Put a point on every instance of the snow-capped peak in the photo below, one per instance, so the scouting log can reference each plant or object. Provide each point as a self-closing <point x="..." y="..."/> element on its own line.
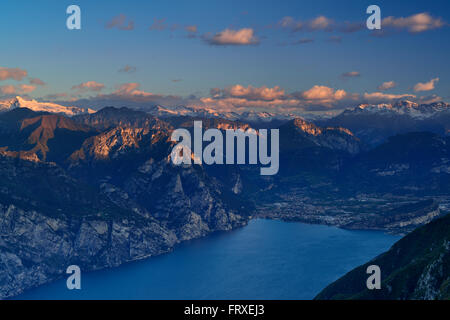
<point x="19" y="102"/>
<point x="204" y="112"/>
<point x="404" y="107"/>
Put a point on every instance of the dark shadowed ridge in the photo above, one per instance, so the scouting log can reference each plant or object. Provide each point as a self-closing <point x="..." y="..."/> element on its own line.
<point x="416" y="267"/>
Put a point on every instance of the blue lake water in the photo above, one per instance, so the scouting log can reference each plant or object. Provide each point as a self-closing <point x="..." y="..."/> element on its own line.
<point x="265" y="260"/>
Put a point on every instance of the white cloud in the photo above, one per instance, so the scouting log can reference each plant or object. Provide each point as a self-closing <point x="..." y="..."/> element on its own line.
<point x="238" y="97"/>
<point x="243" y="36"/>
<point x="377" y="97"/>
<point x="89" y="86"/>
<point x="416" y="23"/>
<point x="250" y="92"/>
<point x="127" y="88"/>
<point x="320" y="23"/>
<point x="387" y="85"/>
<point x="426" y="86"/>
<point x="316" y="24"/>
<point x="351" y="74"/>
<point x="323" y="94"/>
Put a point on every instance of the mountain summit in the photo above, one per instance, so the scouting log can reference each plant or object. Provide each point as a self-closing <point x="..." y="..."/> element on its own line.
<point x="19" y="102"/>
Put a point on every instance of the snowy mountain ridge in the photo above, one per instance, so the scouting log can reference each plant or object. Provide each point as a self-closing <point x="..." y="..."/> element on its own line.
<point x="19" y="102"/>
<point x="405" y="107"/>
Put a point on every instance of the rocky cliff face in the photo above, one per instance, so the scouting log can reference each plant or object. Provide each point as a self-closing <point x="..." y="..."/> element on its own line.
<point x="37" y="246"/>
<point x="122" y="206"/>
<point x="36" y="249"/>
<point x="306" y="134"/>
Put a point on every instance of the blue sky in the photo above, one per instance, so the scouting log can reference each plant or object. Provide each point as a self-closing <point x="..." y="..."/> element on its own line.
<point x="171" y="65"/>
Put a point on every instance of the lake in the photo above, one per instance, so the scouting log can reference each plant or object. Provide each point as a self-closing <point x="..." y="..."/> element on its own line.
<point x="265" y="260"/>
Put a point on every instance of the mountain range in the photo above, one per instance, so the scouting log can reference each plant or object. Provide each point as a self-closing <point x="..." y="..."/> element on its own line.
<point x="102" y="187"/>
<point x="373" y="124"/>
